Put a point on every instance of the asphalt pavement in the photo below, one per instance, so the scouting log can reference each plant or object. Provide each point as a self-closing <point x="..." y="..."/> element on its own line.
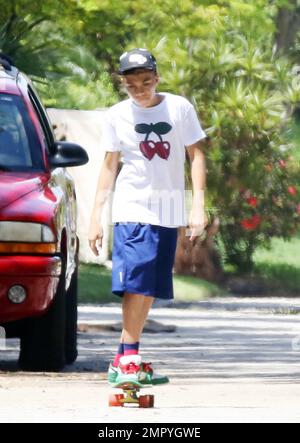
<point x="229" y="360"/>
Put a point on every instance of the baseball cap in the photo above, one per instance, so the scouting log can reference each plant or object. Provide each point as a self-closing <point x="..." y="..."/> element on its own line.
<point x="137" y="58"/>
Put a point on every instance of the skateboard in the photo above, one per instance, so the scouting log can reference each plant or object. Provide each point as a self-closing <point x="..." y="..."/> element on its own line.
<point x="130" y="395"/>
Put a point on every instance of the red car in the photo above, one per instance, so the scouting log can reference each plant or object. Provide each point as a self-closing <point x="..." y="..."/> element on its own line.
<point x="38" y="241"/>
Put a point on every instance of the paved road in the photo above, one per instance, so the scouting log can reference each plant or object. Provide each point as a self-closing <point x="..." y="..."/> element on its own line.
<point x="229" y="360"/>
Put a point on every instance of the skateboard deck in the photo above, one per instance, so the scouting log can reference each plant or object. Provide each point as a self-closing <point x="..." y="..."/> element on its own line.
<point x="131" y="395"/>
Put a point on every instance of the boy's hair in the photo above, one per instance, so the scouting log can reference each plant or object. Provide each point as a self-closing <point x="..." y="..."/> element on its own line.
<point x="136" y="59"/>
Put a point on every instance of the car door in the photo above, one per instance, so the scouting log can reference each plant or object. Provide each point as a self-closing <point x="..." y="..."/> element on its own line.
<point x="62" y="184"/>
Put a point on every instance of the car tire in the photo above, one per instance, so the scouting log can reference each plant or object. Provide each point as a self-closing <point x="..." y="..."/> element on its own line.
<point x="71" y="319"/>
<point x="43" y="338"/>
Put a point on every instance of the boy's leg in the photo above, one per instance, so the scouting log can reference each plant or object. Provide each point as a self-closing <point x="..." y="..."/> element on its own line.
<point x="148" y="301"/>
<point x="135" y="305"/>
<point x="136" y="308"/>
<point x="135" y="312"/>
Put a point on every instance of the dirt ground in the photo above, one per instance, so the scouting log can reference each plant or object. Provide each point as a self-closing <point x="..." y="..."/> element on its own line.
<point x="228" y="360"/>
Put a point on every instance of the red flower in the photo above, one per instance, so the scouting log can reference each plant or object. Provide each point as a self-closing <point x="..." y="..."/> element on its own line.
<point x="251" y="223"/>
<point x="252" y="201"/>
<point x="292" y="190"/>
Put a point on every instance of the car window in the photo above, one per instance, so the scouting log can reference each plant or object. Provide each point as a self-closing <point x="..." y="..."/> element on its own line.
<point x="19" y="145"/>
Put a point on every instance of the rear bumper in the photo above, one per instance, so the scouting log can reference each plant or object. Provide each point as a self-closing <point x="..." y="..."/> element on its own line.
<point x="39" y="276"/>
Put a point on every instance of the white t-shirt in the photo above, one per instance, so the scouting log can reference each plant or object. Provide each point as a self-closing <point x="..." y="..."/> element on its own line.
<point x="150" y="185"/>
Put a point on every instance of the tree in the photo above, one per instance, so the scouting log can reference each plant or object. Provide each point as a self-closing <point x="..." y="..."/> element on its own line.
<point x="288" y="25"/>
<point x="44" y="42"/>
<point x="222" y="57"/>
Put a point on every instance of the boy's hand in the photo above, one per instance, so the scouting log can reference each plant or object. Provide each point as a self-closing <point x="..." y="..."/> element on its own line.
<point x="197" y="223"/>
<point x="95" y="237"/>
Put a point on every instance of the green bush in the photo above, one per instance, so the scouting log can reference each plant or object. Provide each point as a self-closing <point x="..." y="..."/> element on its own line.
<point x="221" y="55"/>
<point x="225" y="61"/>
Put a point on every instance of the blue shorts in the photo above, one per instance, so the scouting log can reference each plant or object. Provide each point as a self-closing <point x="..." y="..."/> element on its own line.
<point x="143" y="259"/>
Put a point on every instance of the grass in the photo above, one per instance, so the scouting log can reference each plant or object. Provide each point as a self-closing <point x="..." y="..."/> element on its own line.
<point x="95" y="286"/>
<point x="189" y="289"/>
<point x="280" y="266"/>
<point x="295" y="138"/>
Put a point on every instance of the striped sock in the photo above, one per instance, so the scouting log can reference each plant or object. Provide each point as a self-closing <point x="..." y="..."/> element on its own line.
<point x="131" y="348"/>
<point x="120" y="354"/>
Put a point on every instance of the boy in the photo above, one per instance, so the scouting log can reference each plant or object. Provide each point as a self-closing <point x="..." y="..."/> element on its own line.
<point x="152" y="131"/>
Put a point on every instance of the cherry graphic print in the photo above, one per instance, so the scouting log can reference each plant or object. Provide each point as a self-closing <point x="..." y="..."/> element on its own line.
<point x="150" y="147"/>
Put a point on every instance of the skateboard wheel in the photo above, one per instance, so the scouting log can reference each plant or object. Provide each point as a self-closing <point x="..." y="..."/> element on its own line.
<point x="116" y="400"/>
<point x="146" y="401"/>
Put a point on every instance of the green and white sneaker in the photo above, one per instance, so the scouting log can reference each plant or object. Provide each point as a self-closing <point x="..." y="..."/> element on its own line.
<point x="129" y="369"/>
<point x="112" y="374"/>
<point x="149" y="377"/>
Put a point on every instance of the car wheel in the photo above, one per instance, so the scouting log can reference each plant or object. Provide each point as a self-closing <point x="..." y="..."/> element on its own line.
<point x="71" y="319"/>
<point x="43" y="338"/>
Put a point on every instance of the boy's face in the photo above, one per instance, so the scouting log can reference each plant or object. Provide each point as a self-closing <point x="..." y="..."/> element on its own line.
<point x="141" y="87"/>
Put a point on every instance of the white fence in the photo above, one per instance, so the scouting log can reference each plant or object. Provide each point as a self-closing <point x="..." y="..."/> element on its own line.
<point x="84" y="128"/>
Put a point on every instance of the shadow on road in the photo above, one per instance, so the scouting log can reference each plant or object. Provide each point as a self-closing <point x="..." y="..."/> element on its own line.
<point x="206" y="344"/>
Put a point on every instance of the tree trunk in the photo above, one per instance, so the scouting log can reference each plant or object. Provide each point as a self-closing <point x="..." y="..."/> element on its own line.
<point x="200" y="258"/>
<point x="288" y="24"/>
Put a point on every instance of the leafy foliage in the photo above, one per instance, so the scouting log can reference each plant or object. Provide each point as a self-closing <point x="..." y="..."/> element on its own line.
<point x="219" y="54"/>
<point x="223" y="58"/>
<point x="45" y="41"/>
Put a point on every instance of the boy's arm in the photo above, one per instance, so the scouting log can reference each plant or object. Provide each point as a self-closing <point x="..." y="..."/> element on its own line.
<point x="106" y="181"/>
<point x="197" y="219"/>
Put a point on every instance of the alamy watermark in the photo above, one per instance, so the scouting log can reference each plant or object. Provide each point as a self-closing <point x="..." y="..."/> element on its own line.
<point x="3" y="83"/>
<point x="169" y="207"/>
<point x="296" y="343"/>
<point x="2" y="339"/>
<point x="296" y="78"/>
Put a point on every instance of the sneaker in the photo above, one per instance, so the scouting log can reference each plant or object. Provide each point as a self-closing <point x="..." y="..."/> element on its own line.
<point x="149" y="377"/>
<point x="112" y="374"/>
<point x="129" y="369"/>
